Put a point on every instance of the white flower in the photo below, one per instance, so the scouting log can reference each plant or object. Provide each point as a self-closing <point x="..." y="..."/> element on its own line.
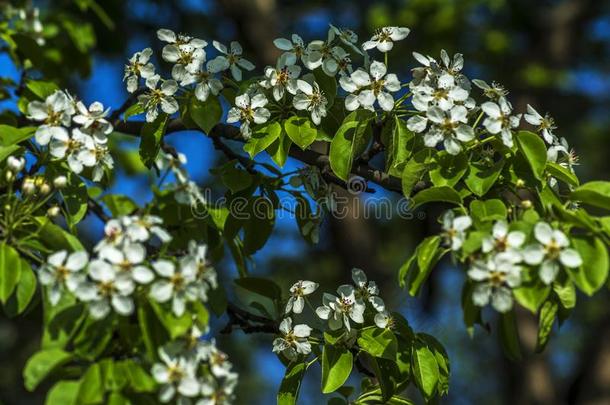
<point x="128" y="260"/>
<point x="500" y="121"/>
<point x="139" y="66"/>
<point x="220" y="366"/>
<point x="384" y="320"/>
<point x="205" y="275"/>
<point x="367" y="290"/>
<point x="205" y="81"/>
<point x="562" y="154"/>
<point x="425" y="96"/>
<point x="455" y="229"/>
<point x="310" y="98"/>
<point x="503" y="241"/>
<point x="294" y="50"/>
<point x="450" y="127"/>
<point x="551" y="251"/>
<point x="63" y="271"/>
<point x="186" y="56"/>
<point x="365" y="88"/>
<point x="114" y="235"/>
<point x="384" y="38"/>
<point x="324" y="54"/>
<point x="172" y="38"/>
<point x="175" y="374"/>
<point x="94" y="119"/>
<point x="177" y="285"/>
<point x="300" y="289"/>
<point x="339" y="310"/>
<point x="107" y="290"/>
<point x="495" y="91"/>
<point x="159" y="97"/>
<point x="545" y="124"/>
<point x="79" y="149"/>
<point x="249" y="110"/>
<point x="55" y="113"/>
<point x="293" y="341"/>
<point x="141" y="229"/>
<point x="282" y="78"/>
<point x="495" y="278"/>
<point x="16" y="164"/>
<point x="218" y="391"/>
<point x="347" y="36"/>
<point x="230" y="59"/>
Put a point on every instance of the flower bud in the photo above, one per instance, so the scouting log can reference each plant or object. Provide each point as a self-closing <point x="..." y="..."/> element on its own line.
<point x="15" y="164"/>
<point x="60" y="182"/>
<point x="28" y="187"/>
<point x="53" y="211"/>
<point x="45" y="188"/>
<point x="520" y="183"/>
<point x="526" y="204"/>
<point x="9" y="175"/>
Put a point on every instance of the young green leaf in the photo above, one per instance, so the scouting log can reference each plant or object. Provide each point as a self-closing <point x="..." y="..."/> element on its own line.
<point x="532" y="147"/>
<point x="350" y="141"/>
<point x="337" y="365"/>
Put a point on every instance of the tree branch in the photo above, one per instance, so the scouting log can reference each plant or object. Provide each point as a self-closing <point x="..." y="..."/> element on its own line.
<point x="248" y="322"/>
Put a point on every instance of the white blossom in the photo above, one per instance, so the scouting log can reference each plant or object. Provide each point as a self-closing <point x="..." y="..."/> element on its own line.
<point x="339" y="310"/>
<point x="55" y="113"/>
<point x="176" y="284"/>
<point x="249" y="110"/>
<point x="128" y="260"/>
<point x="450" y="127"/>
<point x="139" y="66"/>
<point x="325" y="55"/>
<point x="205" y="275"/>
<point x="205" y="83"/>
<point x="551" y="251"/>
<point x="176" y="374"/>
<point x="310" y="98"/>
<point x="298" y="291"/>
<point x="63" y="271"/>
<point x="500" y="120"/>
<point x="494" y="279"/>
<point x="294" y="49"/>
<point x="501" y="240"/>
<point x="384" y="320"/>
<point x="367" y="290"/>
<point x="493" y="91"/>
<point x="230" y="59"/>
<point x="185" y="52"/>
<point x="366" y="88"/>
<point x="157" y="97"/>
<point x="93" y="119"/>
<point x="293" y="340"/>
<point x="545" y="124"/>
<point x="454" y="229"/>
<point x="282" y="78"/>
<point x="142" y="229"/>
<point x="16" y="164"/>
<point x="384" y="38"/>
<point x="219" y="363"/>
<point x="108" y="290"/>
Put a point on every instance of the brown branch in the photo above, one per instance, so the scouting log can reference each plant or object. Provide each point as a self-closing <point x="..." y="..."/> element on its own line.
<point x="95" y="208"/>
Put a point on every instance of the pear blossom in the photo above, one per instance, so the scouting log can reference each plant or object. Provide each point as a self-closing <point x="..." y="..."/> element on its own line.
<point x="367" y="290"/>
<point x="128" y="260"/>
<point x="139" y="66"/>
<point x="325" y="55"/>
<point x="500" y="120"/>
<point x="55" y="113"/>
<point x="501" y="240"/>
<point x="187" y="57"/>
<point x="176" y="374"/>
<point x="551" y="252"/>
<point x="384" y="320"/>
<point x="450" y="127"/>
<point x="384" y="38"/>
<point x="219" y="363"/>
<point x="282" y="78"/>
<point x="176" y="284"/>
<point x="293" y="340"/>
<point x="454" y="229"/>
<point x="312" y="99"/>
<point x="61" y="272"/>
<point x="16" y="164"/>
<point x="205" y="83"/>
<point x="347" y="36"/>
<point x="230" y="59"/>
<point x="157" y="97"/>
<point x="493" y="91"/>
<point x="561" y="153"/>
<point x="249" y="110"/>
<point x="93" y="119"/>
<point x="294" y="49"/>
<point x="339" y="310"/>
<point x="494" y="279"/>
<point x="545" y="124"/>
<point x="108" y="290"/>
<point x="298" y="291"/>
<point x="172" y="38"/>
<point x="78" y="149"/>
<point x="142" y="229"/>
<point x="205" y="275"/>
<point x="366" y="88"/>
<point x="218" y="392"/>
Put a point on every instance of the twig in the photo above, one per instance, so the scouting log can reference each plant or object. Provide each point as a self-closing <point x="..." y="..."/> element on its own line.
<point x="248" y="322"/>
<point x="94" y="207"/>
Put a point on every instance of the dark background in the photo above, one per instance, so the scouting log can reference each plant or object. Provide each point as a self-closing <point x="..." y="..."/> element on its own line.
<point x="552" y="54"/>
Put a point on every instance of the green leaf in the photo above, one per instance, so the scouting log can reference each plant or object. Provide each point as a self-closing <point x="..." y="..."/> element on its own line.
<point x="481" y="177"/>
<point x="301" y="131"/>
<point x="55" y="238"/>
<point x="533" y="149"/>
<point x="434" y="194"/>
<point x="92" y="386"/>
<point x="449" y="169"/>
<point x="151" y="138"/>
<point x="562" y="173"/>
<point x="337" y="365"/>
<point x="592" y="275"/>
<point x="545" y="324"/>
<point x="94" y="336"/>
<point x="11" y="266"/>
<point x="488" y="210"/>
<point x="41" y="364"/>
<point x="596" y="193"/>
<point x="424" y="369"/>
<point x="279" y="149"/>
<point x="175" y="326"/>
<point x="414" y="170"/>
<point x="427" y="255"/>
<point x="19" y="300"/>
<point x="532" y="294"/>
<point x="259" y="226"/>
<point x="75" y="198"/>
<point x="63" y="393"/>
<point x="6" y="151"/>
<point x="119" y="204"/>
<point x="395" y="136"/>
<point x="262" y="138"/>
<point x="509" y="338"/>
<point x="291" y="384"/>
<point x="328" y="85"/>
<point x="41" y="89"/>
<point x="236" y="179"/>
<point x="349" y="142"/>
<point x="206" y="114"/>
<point x="378" y="342"/>
<point x="138" y="379"/>
<point x="259" y="294"/>
<point x="135" y="109"/>
<point x="11" y="136"/>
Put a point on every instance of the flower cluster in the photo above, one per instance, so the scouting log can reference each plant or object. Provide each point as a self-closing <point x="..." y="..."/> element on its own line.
<point x="74" y="132"/>
<point x="185" y="190"/>
<point x="346" y="310"/>
<point x="25" y="19"/>
<point x="193" y="369"/>
<point x="122" y="265"/>
<point x="499" y="263"/>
